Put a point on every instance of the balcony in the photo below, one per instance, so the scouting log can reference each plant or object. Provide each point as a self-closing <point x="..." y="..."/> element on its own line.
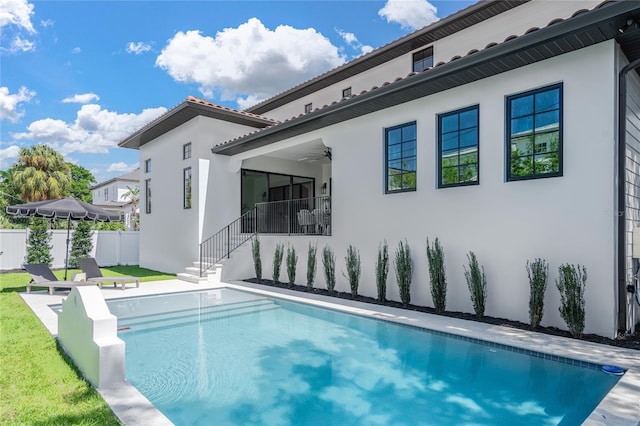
<point x="306" y="216"/>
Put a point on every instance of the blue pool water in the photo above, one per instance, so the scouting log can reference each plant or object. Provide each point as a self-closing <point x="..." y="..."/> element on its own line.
<point x="232" y="358"/>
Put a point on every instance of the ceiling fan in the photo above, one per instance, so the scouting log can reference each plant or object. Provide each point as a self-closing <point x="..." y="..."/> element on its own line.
<point x="313" y="158"/>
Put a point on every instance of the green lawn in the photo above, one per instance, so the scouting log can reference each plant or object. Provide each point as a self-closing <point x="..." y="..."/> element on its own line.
<point x="38" y="384"/>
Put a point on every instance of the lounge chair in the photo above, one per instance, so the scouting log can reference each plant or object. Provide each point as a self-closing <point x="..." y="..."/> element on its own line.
<point x="42" y="276"/>
<point x="91" y="268"/>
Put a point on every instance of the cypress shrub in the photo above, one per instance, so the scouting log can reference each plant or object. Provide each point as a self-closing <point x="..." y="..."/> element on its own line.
<point x="39" y="242"/>
<point x="382" y="271"/>
<point x="353" y="269"/>
<point x="329" y="265"/>
<point x="437" y="275"/>
<point x="277" y="262"/>
<point x="571" y="284"/>
<point x="311" y="264"/>
<point x="538" y="272"/>
<point x="292" y="262"/>
<point x="477" y="283"/>
<point x="404" y="271"/>
<point x="257" y="261"/>
<point x="81" y="243"/>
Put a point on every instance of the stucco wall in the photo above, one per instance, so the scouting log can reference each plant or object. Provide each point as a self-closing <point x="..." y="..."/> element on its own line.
<point x="564" y="219"/>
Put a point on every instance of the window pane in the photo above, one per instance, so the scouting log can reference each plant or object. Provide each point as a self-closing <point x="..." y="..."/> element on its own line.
<point x="549" y="100"/>
<point x="449" y="141"/>
<point x="401" y="157"/>
<point x="522" y="166"/>
<point x="394" y="136"/>
<point x="409" y="165"/>
<point x="449" y="123"/>
<point x="449" y="175"/>
<point x="409" y="132"/>
<point x="394" y="152"/>
<point x="394" y="182"/>
<point x="468" y="137"/>
<point x="409" y="180"/>
<point x="547" y="121"/>
<point x="522" y="106"/>
<point x="547" y="163"/>
<point x="522" y="125"/>
<point x="409" y="149"/>
<point x="469" y="119"/>
<point x="450" y="158"/>
<point x="395" y="165"/>
<point x="469" y="158"/>
<point x="469" y="173"/>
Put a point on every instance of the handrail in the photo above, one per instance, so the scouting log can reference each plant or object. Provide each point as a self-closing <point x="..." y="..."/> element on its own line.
<point x="226" y="240"/>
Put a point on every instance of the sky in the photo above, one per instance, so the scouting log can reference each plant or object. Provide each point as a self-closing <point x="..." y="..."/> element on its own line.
<point x="82" y="75"/>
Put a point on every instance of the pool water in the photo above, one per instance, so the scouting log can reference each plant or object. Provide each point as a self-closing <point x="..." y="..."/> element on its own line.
<point x="225" y="357"/>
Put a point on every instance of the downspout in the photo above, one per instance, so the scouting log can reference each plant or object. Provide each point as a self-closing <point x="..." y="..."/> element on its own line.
<point x="622" y="205"/>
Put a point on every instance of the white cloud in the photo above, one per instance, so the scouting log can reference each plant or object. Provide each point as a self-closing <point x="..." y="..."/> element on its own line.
<point x="249" y="60"/>
<point x="46" y="23"/>
<point x="121" y="167"/>
<point x="353" y="41"/>
<point x="249" y="101"/>
<point x="76" y="50"/>
<point x="84" y="98"/>
<point x="17" y="13"/>
<point x="9" y="103"/>
<point x="95" y="130"/>
<point x="19" y="44"/>
<point x="410" y="14"/>
<point x="138" y="47"/>
<point x="10" y="153"/>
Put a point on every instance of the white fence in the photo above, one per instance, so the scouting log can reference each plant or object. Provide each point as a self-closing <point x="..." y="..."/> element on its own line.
<point x="109" y="248"/>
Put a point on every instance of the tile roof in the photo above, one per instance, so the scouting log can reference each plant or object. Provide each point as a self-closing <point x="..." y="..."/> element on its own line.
<point x="305" y="117"/>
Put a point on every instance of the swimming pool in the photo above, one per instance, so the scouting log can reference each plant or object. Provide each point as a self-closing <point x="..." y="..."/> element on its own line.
<point x="228" y="357"/>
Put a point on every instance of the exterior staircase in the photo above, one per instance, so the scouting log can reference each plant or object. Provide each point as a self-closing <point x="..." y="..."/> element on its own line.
<point x="192" y="274"/>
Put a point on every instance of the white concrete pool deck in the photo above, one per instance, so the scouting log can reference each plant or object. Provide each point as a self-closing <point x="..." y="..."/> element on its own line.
<point x="621" y="407"/>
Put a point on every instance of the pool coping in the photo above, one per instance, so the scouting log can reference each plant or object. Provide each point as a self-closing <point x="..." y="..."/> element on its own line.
<point x="621" y="406"/>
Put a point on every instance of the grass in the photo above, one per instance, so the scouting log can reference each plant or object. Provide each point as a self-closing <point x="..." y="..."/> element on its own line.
<point x="39" y="385"/>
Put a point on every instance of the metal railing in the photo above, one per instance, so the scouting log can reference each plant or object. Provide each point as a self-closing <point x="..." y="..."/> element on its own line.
<point x="305" y="216"/>
<point x="226" y="240"/>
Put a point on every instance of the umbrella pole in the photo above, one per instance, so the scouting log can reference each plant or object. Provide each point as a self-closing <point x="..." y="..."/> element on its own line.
<point x="66" y="259"/>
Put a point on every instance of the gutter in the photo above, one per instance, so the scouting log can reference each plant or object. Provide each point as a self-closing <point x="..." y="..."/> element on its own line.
<point x="622" y="205"/>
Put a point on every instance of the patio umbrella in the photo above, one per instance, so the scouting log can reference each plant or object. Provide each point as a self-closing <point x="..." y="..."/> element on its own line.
<point x="64" y="208"/>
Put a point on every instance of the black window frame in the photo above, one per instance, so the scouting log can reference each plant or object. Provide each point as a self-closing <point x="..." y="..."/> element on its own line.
<point x="458" y="130"/>
<point x="187" y="178"/>
<point x="386" y="132"/>
<point x="147" y="165"/>
<point x="508" y="118"/>
<point x="419" y="57"/>
<point x="308" y="107"/>
<point x="346" y="93"/>
<point x="147" y="196"/>
<point x="186" y="151"/>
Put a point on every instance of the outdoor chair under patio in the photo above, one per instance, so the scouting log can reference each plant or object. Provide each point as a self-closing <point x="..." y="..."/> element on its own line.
<point x="42" y="276"/>
<point x="90" y="267"/>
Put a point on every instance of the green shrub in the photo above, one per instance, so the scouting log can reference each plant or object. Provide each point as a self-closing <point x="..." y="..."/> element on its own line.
<point x="292" y="262"/>
<point x="257" y="262"/>
<point x="477" y="283"/>
<point x="353" y="269"/>
<point x="437" y="275"/>
<point x="571" y="284"/>
<point x="404" y="271"/>
<point x="39" y="242"/>
<point x="81" y="243"/>
<point x="329" y="265"/>
<point x="311" y="264"/>
<point x="277" y="262"/>
<point x="382" y="271"/>
<point x="538" y="272"/>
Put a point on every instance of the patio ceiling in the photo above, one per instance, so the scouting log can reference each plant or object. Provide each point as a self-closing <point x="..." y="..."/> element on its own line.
<point x="310" y="152"/>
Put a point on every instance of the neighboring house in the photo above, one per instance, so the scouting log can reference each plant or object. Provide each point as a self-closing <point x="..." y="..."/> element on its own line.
<point x="499" y="129"/>
<point x="110" y="195"/>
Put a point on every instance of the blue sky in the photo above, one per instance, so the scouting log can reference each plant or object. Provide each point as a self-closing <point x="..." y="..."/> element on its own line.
<point x="81" y="75"/>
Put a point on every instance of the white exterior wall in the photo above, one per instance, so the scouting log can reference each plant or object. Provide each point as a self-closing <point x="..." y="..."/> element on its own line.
<point x="516" y="21"/>
<point x="175" y="232"/>
<point x="564" y="220"/>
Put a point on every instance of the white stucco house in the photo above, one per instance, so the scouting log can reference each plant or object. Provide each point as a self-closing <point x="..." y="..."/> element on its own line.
<point x="510" y="129"/>
<point x="111" y="195"/>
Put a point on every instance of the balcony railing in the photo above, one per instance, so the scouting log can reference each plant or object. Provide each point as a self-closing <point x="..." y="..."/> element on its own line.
<point x="305" y="216"/>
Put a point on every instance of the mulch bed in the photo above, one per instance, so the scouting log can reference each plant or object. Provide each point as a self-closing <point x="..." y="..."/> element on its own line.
<point x="630" y="342"/>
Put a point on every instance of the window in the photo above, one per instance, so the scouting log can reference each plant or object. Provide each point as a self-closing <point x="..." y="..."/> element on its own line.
<point x="106" y="194"/>
<point x="423" y="59"/>
<point x="186" y="184"/>
<point x="147" y="165"/>
<point x="458" y="147"/>
<point x="346" y="93"/>
<point x="147" y="192"/>
<point x="534" y="134"/>
<point x="400" y="158"/>
<point x="308" y="108"/>
<point x="186" y="151"/>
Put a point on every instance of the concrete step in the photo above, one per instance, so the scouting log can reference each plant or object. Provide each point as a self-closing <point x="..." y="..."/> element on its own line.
<point x="192" y="278"/>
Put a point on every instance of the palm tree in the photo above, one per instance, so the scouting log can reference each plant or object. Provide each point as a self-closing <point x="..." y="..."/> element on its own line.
<point x="41" y="174"/>
<point x="133" y="195"/>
